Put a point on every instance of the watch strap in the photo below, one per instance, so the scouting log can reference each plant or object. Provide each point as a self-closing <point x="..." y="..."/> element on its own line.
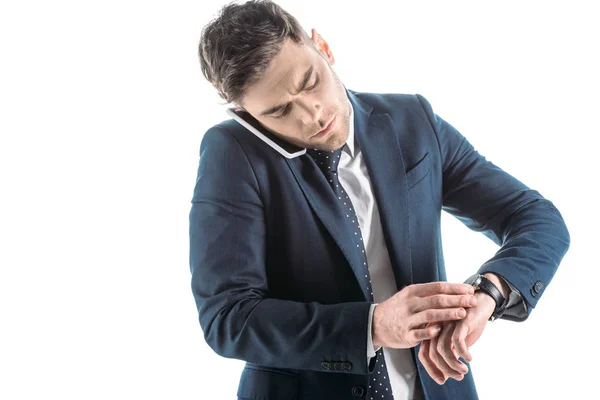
<point x="485" y="285"/>
<point x="488" y="287"/>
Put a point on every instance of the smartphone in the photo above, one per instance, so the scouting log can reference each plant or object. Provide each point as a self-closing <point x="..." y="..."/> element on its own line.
<point x="281" y="146"/>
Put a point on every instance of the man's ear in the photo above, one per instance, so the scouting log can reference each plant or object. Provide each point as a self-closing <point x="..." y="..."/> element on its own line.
<point x="322" y="46"/>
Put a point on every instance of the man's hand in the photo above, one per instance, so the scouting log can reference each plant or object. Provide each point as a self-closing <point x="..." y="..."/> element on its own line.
<point x="440" y="354"/>
<point x="399" y="321"/>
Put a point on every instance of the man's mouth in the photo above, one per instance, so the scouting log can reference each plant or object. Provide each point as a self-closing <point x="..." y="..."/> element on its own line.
<point x="327" y="129"/>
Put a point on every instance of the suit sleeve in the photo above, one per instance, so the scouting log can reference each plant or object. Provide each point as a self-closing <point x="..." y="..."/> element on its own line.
<point x="229" y="281"/>
<point x="529" y="228"/>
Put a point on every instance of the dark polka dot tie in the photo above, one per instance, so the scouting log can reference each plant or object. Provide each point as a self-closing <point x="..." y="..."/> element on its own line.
<point x="327" y="161"/>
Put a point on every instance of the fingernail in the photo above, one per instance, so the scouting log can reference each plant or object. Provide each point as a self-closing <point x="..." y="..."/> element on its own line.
<point x="473" y="301"/>
<point x="462" y="313"/>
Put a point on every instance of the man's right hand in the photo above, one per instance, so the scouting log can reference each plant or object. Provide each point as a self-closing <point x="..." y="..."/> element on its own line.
<point x="399" y="321"/>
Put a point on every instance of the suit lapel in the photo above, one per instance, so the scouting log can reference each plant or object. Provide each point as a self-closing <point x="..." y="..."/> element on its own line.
<point x="379" y="145"/>
<point x="324" y="202"/>
<point x="374" y="133"/>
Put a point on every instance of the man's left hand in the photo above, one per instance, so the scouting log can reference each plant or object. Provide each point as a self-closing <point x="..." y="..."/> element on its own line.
<point x="440" y="354"/>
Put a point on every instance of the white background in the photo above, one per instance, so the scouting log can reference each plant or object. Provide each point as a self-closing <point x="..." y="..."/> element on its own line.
<point x="102" y="109"/>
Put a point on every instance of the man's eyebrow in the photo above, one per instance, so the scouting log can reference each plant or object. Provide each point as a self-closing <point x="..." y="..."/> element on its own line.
<point x="307" y="76"/>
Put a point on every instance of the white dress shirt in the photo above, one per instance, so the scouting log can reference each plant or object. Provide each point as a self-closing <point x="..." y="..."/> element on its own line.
<point x="354" y="177"/>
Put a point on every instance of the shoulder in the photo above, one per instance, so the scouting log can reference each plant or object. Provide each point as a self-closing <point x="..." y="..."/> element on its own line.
<point x="389" y="102"/>
<point x="413" y="107"/>
<point x="223" y="135"/>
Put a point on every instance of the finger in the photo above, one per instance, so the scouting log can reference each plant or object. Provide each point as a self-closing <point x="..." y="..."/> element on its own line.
<point x="459" y="341"/>
<point x="431" y="288"/>
<point x="427" y="316"/>
<point x="456" y="369"/>
<point x="445" y="301"/>
<point x="418" y="335"/>
<point x="438" y="359"/>
<point x="430" y="367"/>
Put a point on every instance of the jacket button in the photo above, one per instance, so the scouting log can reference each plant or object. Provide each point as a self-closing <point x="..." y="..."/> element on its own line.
<point x="358" y="391"/>
<point x="337" y="366"/>
<point x="347" y="366"/>
<point x="325" y="365"/>
<point x="537" y="288"/>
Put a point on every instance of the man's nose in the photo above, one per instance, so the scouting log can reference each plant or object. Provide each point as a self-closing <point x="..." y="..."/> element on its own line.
<point x="312" y="112"/>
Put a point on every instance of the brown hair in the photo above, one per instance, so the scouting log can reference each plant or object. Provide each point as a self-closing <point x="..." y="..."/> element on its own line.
<point x="236" y="46"/>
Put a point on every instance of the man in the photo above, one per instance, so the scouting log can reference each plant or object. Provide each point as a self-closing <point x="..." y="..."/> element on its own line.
<point x="324" y="271"/>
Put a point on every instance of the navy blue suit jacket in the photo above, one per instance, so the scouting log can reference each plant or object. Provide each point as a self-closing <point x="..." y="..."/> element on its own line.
<point x="274" y="276"/>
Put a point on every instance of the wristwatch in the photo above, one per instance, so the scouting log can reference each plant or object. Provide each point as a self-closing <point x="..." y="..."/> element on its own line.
<point x="482" y="283"/>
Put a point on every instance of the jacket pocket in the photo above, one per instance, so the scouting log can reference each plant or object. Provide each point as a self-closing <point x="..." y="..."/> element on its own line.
<point x="418" y="171"/>
<point x="263" y="383"/>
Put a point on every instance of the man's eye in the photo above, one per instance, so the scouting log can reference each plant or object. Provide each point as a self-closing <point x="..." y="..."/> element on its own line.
<point x="287" y="109"/>
<point x="313" y="86"/>
<point x="284" y="113"/>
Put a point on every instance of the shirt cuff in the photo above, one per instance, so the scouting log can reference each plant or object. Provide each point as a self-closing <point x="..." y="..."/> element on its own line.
<point x="370" y="349"/>
<point x="516" y="309"/>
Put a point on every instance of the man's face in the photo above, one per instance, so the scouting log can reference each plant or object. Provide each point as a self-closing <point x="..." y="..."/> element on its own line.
<point x="303" y="114"/>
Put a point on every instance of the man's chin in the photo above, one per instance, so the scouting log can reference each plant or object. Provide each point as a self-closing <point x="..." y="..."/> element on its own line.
<point x="331" y="143"/>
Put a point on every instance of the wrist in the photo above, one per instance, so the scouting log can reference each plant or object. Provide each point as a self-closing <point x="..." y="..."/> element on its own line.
<point x="485" y="302"/>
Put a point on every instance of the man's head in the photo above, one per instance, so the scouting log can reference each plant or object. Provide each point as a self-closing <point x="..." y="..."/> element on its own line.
<point x="258" y="56"/>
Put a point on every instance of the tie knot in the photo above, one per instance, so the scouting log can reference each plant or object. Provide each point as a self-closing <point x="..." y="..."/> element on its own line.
<point x="326" y="160"/>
